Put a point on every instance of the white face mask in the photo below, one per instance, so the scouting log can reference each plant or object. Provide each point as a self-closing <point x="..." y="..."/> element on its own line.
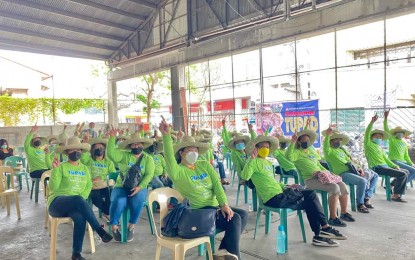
<point x="191" y="157"/>
<point x="399" y="135"/>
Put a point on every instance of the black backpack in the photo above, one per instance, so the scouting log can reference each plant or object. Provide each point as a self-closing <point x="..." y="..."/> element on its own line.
<point x="133" y="177"/>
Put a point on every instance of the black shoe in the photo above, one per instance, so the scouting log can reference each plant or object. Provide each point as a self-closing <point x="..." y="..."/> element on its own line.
<point x="347" y="217"/>
<point x="77" y="257"/>
<point x="337" y="222"/>
<point x="105" y="237"/>
<point x="332" y="233"/>
<point x="117" y="235"/>
<point x="322" y="241"/>
<point x="130" y="234"/>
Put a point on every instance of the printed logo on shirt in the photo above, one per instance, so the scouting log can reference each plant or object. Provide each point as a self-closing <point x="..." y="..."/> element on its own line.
<point x="76" y="173"/>
<point x="99" y="165"/>
<point x="39" y="152"/>
<point x="268" y="168"/>
<point x="243" y="157"/>
<point x="200" y="177"/>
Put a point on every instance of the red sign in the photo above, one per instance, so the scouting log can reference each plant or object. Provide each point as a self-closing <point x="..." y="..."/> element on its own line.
<point x="223" y="105"/>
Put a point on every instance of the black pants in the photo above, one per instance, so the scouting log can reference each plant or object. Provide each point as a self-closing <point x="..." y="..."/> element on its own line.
<point x="233" y="230"/>
<point x="400" y="177"/>
<point x="101" y="199"/>
<point x="311" y="205"/>
<point x="37" y="173"/>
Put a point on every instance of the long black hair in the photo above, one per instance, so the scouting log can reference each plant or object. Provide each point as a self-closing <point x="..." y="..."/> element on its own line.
<point x="94" y="157"/>
<point x="3" y="141"/>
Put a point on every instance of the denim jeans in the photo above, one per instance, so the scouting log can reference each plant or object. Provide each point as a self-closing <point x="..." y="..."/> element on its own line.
<point x="156" y="183"/>
<point x="407" y="167"/>
<point x="119" y="202"/>
<point x="221" y="169"/>
<point x="78" y="209"/>
<point x="359" y="181"/>
<point x="372" y="181"/>
<point x="101" y="199"/>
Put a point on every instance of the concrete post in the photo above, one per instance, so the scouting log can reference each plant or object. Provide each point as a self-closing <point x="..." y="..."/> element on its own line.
<point x="112" y="103"/>
<point x="177" y="82"/>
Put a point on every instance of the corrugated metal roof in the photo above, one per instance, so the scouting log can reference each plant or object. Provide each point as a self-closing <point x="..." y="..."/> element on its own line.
<point x="81" y="28"/>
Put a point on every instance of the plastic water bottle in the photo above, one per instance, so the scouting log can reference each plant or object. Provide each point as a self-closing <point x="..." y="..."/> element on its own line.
<point x="281" y="240"/>
<point x="250" y="206"/>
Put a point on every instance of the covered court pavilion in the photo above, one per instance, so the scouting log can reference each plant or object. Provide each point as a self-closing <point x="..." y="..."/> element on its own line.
<point x="136" y="37"/>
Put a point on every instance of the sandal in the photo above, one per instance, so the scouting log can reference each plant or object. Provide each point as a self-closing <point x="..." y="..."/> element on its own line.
<point x="399" y="199"/>
<point x="224" y="182"/>
<point x="362" y="208"/>
<point x="368" y="205"/>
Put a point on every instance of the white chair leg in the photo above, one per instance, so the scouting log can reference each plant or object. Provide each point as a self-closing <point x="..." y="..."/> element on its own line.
<point x="91" y="239"/>
<point x="16" y="201"/>
<point x="53" y="237"/>
<point x="158" y="251"/>
<point x="8" y="204"/>
<point x="209" y="250"/>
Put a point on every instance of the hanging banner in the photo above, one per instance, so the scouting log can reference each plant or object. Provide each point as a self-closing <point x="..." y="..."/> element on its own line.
<point x="286" y="118"/>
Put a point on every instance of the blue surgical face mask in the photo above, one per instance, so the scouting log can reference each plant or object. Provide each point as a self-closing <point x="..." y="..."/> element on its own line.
<point x="377" y="141"/>
<point x="4" y="146"/>
<point x="240" y="146"/>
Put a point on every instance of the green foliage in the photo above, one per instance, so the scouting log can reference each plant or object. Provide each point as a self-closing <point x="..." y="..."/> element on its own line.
<point x="12" y="109"/>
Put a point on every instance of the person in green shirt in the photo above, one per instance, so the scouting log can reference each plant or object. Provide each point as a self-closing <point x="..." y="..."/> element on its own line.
<point x="398" y="148"/>
<point x="380" y="163"/>
<point x="160" y="178"/>
<point x="237" y="147"/>
<point x="286" y="165"/>
<point x="307" y="164"/>
<point x="129" y="153"/>
<point x="339" y="159"/>
<point x="69" y="186"/>
<point x="271" y="192"/>
<point x="36" y="155"/>
<point x="198" y="182"/>
<point x="99" y="167"/>
<point x="60" y="141"/>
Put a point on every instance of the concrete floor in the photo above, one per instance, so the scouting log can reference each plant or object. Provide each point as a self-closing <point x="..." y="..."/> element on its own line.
<point x="385" y="233"/>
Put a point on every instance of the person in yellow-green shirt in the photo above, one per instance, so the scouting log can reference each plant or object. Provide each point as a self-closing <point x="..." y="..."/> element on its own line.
<point x="160" y="179"/>
<point x="36" y="155"/>
<point x="127" y="155"/>
<point x="286" y="165"/>
<point x="198" y="181"/>
<point x="69" y="187"/>
<point x="275" y="194"/>
<point x="398" y="148"/>
<point x="99" y="166"/>
<point x="60" y="141"/>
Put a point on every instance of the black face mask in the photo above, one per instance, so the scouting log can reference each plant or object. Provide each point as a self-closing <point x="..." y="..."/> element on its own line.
<point x="136" y="150"/>
<point x="36" y="143"/>
<point x="283" y="145"/>
<point x="304" y="145"/>
<point x="151" y="149"/>
<point x="98" y="152"/>
<point x="336" y="145"/>
<point x="74" y="156"/>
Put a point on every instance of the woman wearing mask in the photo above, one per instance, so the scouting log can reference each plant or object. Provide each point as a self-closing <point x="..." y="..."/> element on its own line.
<point x="36" y="156"/>
<point x="198" y="181"/>
<point x="380" y="163"/>
<point x="99" y="167"/>
<point x="286" y="165"/>
<point x="5" y="150"/>
<point x="308" y="165"/>
<point x="70" y="185"/>
<point x="129" y="153"/>
<point x="238" y="154"/>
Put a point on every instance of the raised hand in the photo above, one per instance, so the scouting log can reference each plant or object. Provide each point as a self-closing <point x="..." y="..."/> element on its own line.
<point x="294" y="137"/>
<point x="112" y="131"/>
<point x="34" y="128"/>
<point x="374" y="118"/>
<point x="250" y="127"/>
<point x="180" y="134"/>
<point x="308" y="122"/>
<point x="55" y="162"/>
<point x="164" y="127"/>
<point x="329" y="131"/>
<point x="386" y="113"/>
<point x="254" y="153"/>
<point x="224" y="121"/>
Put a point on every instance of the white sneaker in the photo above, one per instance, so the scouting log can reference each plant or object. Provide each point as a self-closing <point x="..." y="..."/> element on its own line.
<point x="224" y="255"/>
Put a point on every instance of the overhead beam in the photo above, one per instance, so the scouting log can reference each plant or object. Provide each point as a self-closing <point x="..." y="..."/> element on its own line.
<point x="53" y="10"/>
<point x="60" y="26"/>
<point x="55" y="38"/>
<point x="261" y="8"/>
<point x="216" y="13"/>
<point x="173" y="15"/>
<point x="30" y="47"/>
<point x="263" y="33"/>
<point x="108" y="9"/>
<point x="144" y="3"/>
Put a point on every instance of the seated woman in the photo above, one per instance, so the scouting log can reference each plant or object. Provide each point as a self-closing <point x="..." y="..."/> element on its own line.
<point x="70" y="185"/>
<point x="5" y="150"/>
<point x="237" y="147"/>
<point x="130" y="153"/>
<point x="286" y="165"/>
<point x="36" y="155"/>
<point x="338" y="158"/>
<point x="60" y="141"/>
<point x="308" y="166"/>
<point x="160" y="178"/>
<point x="198" y="182"/>
<point x="270" y="191"/>
<point x="99" y="166"/>
<point x="380" y="163"/>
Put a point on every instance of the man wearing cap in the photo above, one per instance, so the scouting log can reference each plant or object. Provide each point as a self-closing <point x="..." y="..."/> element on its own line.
<point x="286" y="165"/>
<point x="380" y="163"/>
<point x="308" y="165"/>
<point x="129" y="153"/>
<point x="398" y="149"/>
<point x="339" y="159"/>
<point x="259" y="169"/>
<point x="35" y="154"/>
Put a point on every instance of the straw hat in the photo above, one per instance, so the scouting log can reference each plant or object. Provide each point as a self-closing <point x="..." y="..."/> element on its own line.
<point x="385" y="135"/>
<point x="310" y="133"/>
<point x="93" y="141"/>
<point x="204" y="138"/>
<point x="50" y="137"/>
<point x="337" y="135"/>
<point x="205" y="132"/>
<point x="173" y="132"/>
<point x="399" y="129"/>
<point x="135" y="138"/>
<point x="273" y="141"/>
<point x="43" y="140"/>
<point x="62" y="138"/>
<point x="122" y="137"/>
<point x="231" y="143"/>
<point x="159" y="143"/>
<point x="233" y="134"/>
<point x="187" y="141"/>
<point x="284" y="139"/>
<point x="73" y="143"/>
<point x="324" y="132"/>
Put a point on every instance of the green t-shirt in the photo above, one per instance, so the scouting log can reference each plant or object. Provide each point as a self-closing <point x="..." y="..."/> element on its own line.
<point x="306" y="161"/>
<point x="238" y="160"/>
<point x="374" y="153"/>
<point x="51" y="156"/>
<point x="285" y="164"/>
<point x="126" y="160"/>
<point x="159" y="163"/>
<point x="98" y="168"/>
<point x="69" y="180"/>
<point x="261" y="172"/>
<point x="336" y="157"/>
<point x="200" y="185"/>
<point x="398" y="149"/>
<point x="36" y="157"/>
